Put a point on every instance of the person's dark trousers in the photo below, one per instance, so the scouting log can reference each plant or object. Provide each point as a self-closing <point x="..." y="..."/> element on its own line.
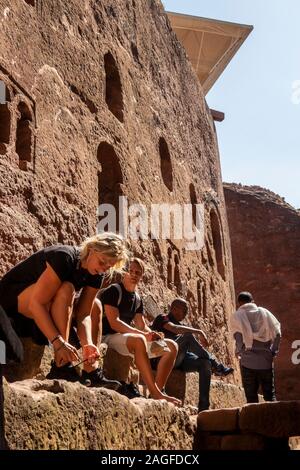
<point x="253" y="378"/>
<point x="188" y="342"/>
<point x="193" y="363"/>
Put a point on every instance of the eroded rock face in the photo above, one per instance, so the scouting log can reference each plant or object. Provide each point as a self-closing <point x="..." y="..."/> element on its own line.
<point x="104" y="103"/>
<point x="265" y="240"/>
<point x="280" y="419"/>
<point x="55" y="414"/>
<point x="264" y="426"/>
<point x="61" y="415"/>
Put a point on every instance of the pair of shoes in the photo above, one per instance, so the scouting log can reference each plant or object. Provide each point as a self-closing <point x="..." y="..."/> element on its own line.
<point x="97" y="379"/>
<point x="129" y="390"/>
<point x="65" y="372"/>
<point x="222" y="371"/>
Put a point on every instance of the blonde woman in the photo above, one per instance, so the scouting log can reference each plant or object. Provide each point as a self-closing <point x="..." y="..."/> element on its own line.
<point x="38" y="295"/>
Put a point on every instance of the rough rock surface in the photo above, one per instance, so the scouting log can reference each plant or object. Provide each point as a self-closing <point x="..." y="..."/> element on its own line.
<point x="35" y="357"/>
<point x="185" y="386"/>
<point x="281" y="419"/>
<point x="247" y="442"/>
<point x="46" y="414"/>
<point x="105" y="103"/>
<point x="264" y="426"/>
<point x="265" y="241"/>
<point x="118" y="367"/>
<point x="61" y="415"/>
<point x="224" y="395"/>
<point x="219" y="420"/>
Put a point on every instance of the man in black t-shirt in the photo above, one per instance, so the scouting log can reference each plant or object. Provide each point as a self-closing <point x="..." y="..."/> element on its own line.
<point x="38" y="294"/>
<point x="125" y="330"/>
<point x="192" y="357"/>
<point x="128" y="303"/>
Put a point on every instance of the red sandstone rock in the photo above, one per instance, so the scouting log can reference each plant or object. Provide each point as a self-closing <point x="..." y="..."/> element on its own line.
<point x="243" y="442"/>
<point x="277" y="419"/>
<point x="118" y="367"/>
<point x="265" y="241"/>
<point x="102" y="102"/>
<point x="206" y="441"/>
<point x="53" y="415"/>
<point x="218" y="420"/>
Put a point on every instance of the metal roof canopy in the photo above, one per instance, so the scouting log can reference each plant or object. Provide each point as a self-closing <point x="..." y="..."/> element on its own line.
<point x="210" y="44"/>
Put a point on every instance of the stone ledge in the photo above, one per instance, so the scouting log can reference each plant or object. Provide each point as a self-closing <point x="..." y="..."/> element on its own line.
<point x="243" y="442"/>
<point x="61" y="415"/>
<point x="219" y="420"/>
<point x="276" y="419"/>
<point x="258" y="426"/>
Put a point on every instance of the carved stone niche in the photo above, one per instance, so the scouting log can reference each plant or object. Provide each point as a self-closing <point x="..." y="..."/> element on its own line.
<point x="17" y="123"/>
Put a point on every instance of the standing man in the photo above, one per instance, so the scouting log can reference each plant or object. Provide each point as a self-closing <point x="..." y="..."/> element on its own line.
<point x="192" y="357"/>
<point x="257" y="336"/>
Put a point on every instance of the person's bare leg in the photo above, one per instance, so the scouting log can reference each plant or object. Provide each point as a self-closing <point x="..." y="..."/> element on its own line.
<point x="24" y="299"/>
<point x="166" y="364"/>
<point x="137" y="346"/>
<point x="62" y="308"/>
<point x="96" y="322"/>
<point x="96" y="318"/>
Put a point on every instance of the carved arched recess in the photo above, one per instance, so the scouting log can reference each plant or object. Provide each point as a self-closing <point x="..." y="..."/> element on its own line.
<point x="17" y="123"/>
<point x="113" y="87"/>
<point x="110" y="177"/>
<point x="217" y="240"/>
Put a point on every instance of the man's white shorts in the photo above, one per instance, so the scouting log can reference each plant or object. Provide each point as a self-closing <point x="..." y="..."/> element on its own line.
<point x="118" y="342"/>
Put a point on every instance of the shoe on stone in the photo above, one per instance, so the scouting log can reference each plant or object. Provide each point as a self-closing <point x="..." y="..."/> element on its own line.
<point x="65" y="372"/>
<point x="134" y="389"/>
<point x="222" y="371"/>
<point x="97" y="379"/>
<point x="202" y="407"/>
<point x="129" y="390"/>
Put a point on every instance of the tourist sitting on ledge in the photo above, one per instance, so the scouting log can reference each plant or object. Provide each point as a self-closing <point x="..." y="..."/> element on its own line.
<point x="125" y="330"/>
<point x="38" y="294"/>
<point x="192" y="357"/>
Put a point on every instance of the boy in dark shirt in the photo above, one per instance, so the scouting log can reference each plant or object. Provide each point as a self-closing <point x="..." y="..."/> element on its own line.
<point x="125" y="330"/>
<point x="192" y="357"/>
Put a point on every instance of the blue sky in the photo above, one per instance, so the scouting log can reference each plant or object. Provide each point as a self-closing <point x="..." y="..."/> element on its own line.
<point x="259" y="139"/>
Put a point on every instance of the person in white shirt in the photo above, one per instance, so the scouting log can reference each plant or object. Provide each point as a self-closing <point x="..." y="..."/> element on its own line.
<point x="257" y="336"/>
